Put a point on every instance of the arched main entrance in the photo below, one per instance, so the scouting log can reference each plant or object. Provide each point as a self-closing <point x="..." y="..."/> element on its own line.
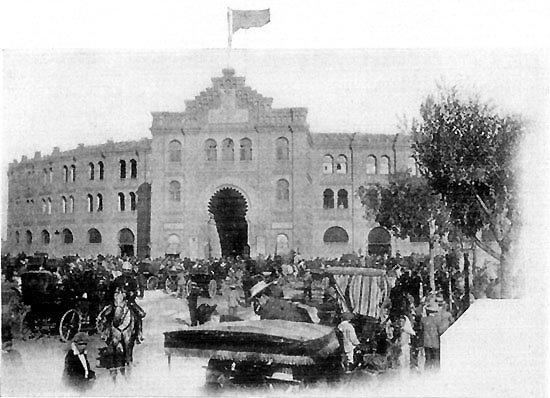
<point x="126" y="242"/>
<point x="379" y="242"/>
<point x="228" y="207"/>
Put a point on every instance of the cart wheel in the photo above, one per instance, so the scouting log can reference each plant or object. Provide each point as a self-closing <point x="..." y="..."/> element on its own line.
<point x="171" y="285"/>
<point x="152" y="283"/>
<point x="28" y="327"/>
<point x="212" y="288"/>
<point x="69" y="325"/>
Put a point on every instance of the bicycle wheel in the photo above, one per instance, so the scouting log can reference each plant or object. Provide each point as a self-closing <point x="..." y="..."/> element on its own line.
<point x="69" y="325"/>
<point x="171" y="285"/>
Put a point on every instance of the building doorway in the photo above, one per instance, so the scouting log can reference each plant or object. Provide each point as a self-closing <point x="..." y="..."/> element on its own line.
<point x="126" y="242"/>
<point x="228" y="207"/>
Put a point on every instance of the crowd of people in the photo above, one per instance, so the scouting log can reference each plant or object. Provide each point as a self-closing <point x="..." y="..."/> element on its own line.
<point x="409" y="327"/>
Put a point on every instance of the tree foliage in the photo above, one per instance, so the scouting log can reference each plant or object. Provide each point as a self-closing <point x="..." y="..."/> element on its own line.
<point x="467" y="152"/>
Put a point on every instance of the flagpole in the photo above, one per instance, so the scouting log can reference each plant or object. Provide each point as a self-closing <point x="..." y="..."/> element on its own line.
<point x="229" y="37"/>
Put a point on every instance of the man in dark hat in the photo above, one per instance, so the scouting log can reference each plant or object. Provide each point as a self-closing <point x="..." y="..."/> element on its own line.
<point x="77" y="372"/>
<point x="192" y="298"/>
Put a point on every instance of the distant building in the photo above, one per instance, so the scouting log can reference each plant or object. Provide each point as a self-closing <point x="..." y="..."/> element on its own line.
<point x="230" y="175"/>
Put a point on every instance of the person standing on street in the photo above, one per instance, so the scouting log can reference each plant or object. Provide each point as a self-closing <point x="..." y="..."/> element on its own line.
<point x="77" y="372"/>
<point x="233" y="300"/>
<point x="308" y="283"/>
<point x="349" y="339"/>
<point x="431" y="327"/>
<point x="192" y="298"/>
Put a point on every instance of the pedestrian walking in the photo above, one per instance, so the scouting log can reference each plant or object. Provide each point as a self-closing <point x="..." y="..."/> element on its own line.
<point x="431" y="327"/>
<point x="349" y="339"/>
<point x="308" y="283"/>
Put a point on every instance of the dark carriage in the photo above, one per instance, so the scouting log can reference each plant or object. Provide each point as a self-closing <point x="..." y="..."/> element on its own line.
<point x="49" y="307"/>
<point x="260" y="353"/>
<point x="205" y="280"/>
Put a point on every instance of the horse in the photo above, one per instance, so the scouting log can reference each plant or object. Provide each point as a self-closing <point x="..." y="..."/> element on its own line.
<point x="116" y="323"/>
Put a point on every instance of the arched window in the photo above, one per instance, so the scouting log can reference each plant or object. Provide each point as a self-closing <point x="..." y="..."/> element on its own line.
<point x="65" y="174"/>
<point x="174" y="151"/>
<point x="282" y="151"/>
<point x="44" y="206"/>
<point x="228" y="149"/>
<point x="122" y="164"/>
<point x="45" y="237"/>
<point x="91" y="171"/>
<point x="342" y="165"/>
<point x="71" y="204"/>
<point x="379" y="241"/>
<point x="63" y="204"/>
<point x="371" y="164"/>
<point x="50" y="175"/>
<point x="211" y="150"/>
<point x="101" y="170"/>
<point x="335" y="235"/>
<point x="67" y="236"/>
<point x="132" y="201"/>
<point x="17" y="239"/>
<point x="99" y="202"/>
<point x="385" y="165"/>
<point x="412" y="167"/>
<point x="90" y="203"/>
<point x="73" y="173"/>
<point x="246" y="149"/>
<point x="282" y="190"/>
<point x="49" y="204"/>
<point x="133" y="169"/>
<point x="175" y="191"/>
<point x="28" y="236"/>
<point x="173" y="246"/>
<point x="94" y="236"/>
<point x="328" y="199"/>
<point x="121" y="202"/>
<point x="45" y="181"/>
<point x="342" y="199"/>
<point x="328" y="163"/>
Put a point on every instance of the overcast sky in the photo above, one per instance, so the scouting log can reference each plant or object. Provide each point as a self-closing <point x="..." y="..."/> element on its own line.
<point x="86" y="72"/>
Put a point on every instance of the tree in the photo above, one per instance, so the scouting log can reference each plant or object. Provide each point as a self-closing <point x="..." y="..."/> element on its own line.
<point x="409" y="208"/>
<point x="467" y="152"/>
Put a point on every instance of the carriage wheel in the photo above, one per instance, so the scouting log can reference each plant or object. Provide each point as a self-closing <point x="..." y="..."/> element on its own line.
<point x="152" y="283"/>
<point x="69" y="325"/>
<point x="212" y="288"/>
<point x="171" y="285"/>
<point x="28" y="327"/>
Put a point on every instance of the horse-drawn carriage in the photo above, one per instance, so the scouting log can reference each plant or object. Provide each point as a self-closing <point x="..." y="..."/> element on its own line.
<point x="267" y="352"/>
<point x="50" y="307"/>
<point x="205" y="279"/>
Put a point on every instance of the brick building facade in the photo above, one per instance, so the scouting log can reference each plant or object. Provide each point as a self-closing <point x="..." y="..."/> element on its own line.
<point x="229" y="175"/>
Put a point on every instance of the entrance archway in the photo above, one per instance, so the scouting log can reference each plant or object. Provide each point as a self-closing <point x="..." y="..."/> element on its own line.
<point x="379" y="242"/>
<point x="126" y="242"/>
<point x="228" y="207"/>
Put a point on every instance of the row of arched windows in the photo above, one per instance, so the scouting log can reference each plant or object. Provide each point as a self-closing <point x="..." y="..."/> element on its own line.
<point x="93" y="203"/>
<point x="228" y="150"/>
<point x="133" y="169"/>
<point x="340" y="165"/>
<point x="96" y="173"/>
<point x="69" y="173"/>
<point x="94" y="236"/>
<point x="341" y="199"/>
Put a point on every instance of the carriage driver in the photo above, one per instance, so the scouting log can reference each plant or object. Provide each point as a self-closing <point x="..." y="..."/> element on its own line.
<point x="128" y="283"/>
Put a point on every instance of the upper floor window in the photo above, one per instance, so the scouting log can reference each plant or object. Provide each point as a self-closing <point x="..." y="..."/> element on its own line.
<point x="121" y="202"/>
<point x="90" y="203"/>
<point x="101" y="170"/>
<point x="67" y="236"/>
<point x="49" y="204"/>
<point x="385" y="165"/>
<point x="371" y="164"/>
<point x="283" y="193"/>
<point x="17" y="239"/>
<point x="45" y="237"/>
<point x="71" y="204"/>
<point x="211" y="150"/>
<point x="65" y="174"/>
<point x="133" y="168"/>
<point x="73" y="173"/>
<point x="99" y="202"/>
<point x="228" y="149"/>
<point x="328" y="199"/>
<point x="281" y="149"/>
<point x="122" y="169"/>
<point x="328" y="164"/>
<point x="50" y="175"/>
<point x="46" y="176"/>
<point x="29" y="237"/>
<point x="342" y="199"/>
<point x="63" y="204"/>
<point x="246" y="149"/>
<point x="335" y="235"/>
<point x="175" y="191"/>
<point x="174" y="151"/>
<point x="342" y="165"/>
<point x="132" y="201"/>
<point x="44" y="206"/>
<point x="91" y="171"/>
